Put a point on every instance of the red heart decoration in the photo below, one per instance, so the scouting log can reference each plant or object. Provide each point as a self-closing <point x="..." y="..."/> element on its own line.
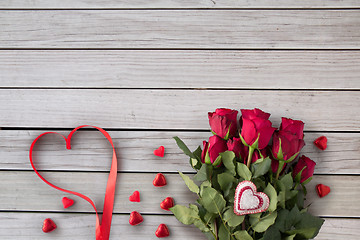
<point x="135" y="218"/>
<point x="67" y="202"/>
<point x="321" y="142"/>
<point x="248" y="200"/>
<point x="167" y="203"/>
<point x="162" y="231"/>
<point x="48" y="225"/>
<point x="159" y="180"/>
<point x="135" y="197"/>
<point x="160" y="151"/>
<point x="322" y="190"/>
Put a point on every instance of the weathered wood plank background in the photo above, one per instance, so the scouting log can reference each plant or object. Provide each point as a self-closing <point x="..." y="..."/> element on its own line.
<point x="150" y="70"/>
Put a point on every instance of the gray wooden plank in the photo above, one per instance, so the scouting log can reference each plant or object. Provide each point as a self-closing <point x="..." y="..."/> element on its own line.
<point x="88" y="4"/>
<point x="82" y="226"/>
<point x="181" y="69"/>
<point x="143" y="29"/>
<point x="172" y="109"/>
<point x="24" y="191"/>
<point x="91" y="151"/>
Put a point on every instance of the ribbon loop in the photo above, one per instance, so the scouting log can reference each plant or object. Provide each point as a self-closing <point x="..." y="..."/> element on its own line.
<point x="102" y="231"/>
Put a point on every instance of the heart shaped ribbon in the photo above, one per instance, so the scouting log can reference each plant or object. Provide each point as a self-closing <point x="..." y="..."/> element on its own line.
<point x="248" y="200"/>
<point x="102" y="231"/>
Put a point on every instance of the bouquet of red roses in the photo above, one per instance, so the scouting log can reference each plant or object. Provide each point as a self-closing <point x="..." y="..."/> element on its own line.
<point x="250" y="180"/>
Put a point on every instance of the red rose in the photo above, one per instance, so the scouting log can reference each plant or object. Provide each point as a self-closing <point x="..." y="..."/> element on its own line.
<point x="241" y="151"/>
<point x="290" y="145"/>
<point x="308" y="165"/>
<point x="223" y="122"/>
<point x="255" y="124"/>
<point x="212" y="149"/>
<point x="296" y="127"/>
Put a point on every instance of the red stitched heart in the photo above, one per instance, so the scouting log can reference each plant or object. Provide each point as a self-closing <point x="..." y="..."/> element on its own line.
<point x="159" y="180"/>
<point x="162" y="231"/>
<point x="48" y="225"/>
<point x="135" y="197"/>
<point x="322" y="190"/>
<point x="321" y="142"/>
<point x="167" y="203"/>
<point x="160" y="151"/>
<point x="135" y="218"/>
<point x="248" y="200"/>
<point x="67" y="202"/>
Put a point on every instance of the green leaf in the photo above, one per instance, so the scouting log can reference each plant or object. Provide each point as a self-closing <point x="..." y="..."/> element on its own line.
<point x="262" y="168"/>
<point x="293" y="218"/>
<point x="281" y="199"/>
<point x="204" y="173"/>
<point x="185" y="215"/>
<point x="232" y="219"/>
<point x="242" y="235"/>
<point x="308" y="222"/>
<point x="201" y="225"/>
<point x="282" y="220"/>
<point x="212" y="200"/>
<point x="225" y="181"/>
<point x="287" y="180"/>
<point x="305" y="232"/>
<point x="217" y="161"/>
<point x="290" y="237"/>
<point x="228" y="161"/>
<point x="261" y="224"/>
<point x="204" y="185"/>
<point x="272" y="194"/>
<point x="243" y="171"/>
<point x="184" y="148"/>
<point x="209" y="236"/>
<point x="189" y="183"/>
<point x="194" y="207"/>
<point x="197" y="153"/>
<point x="272" y="233"/>
<point x="223" y="232"/>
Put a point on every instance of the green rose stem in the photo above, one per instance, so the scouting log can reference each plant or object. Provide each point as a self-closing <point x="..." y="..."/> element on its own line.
<point x="280" y="167"/>
<point x="251" y="151"/>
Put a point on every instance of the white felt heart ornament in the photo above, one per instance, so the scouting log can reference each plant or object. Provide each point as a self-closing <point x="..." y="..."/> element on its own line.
<point x="248" y="200"/>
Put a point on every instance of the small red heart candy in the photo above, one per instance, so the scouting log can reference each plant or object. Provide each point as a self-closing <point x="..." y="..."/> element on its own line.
<point x="167" y="203"/>
<point x="321" y="142"/>
<point x="159" y="152"/>
<point x="159" y="180"/>
<point x="135" y="197"/>
<point x="162" y="231"/>
<point x="48" y="225"/>
<point x="135" y="218"/>
<point x="67" y="202"/>
<point x="322" y="190"/>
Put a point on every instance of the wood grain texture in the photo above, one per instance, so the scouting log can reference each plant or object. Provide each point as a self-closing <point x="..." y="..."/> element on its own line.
<point x="24" y="191"/>
<point x="141" y="29"/>
<point x="91" y="151"/>
<point x="181" y="69"/>
<point x="134" y="4"/>
<point x="82" y="226"/>
<point x="172" y="109"/>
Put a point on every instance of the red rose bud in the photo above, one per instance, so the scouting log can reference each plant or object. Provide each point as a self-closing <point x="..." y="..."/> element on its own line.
<point x="236" y="146"/>
<point x="255" y="124"/>
<point x="223" y="122"/>
<point x="307" y="166"/>
<point x="321" y="143"/>
<point x="290" y="145"/>
<point x="216" y="146"/>
<point x="295" y="127"/>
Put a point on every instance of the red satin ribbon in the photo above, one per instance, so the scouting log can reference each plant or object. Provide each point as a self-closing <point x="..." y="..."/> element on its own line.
<point x="102" y="230"/>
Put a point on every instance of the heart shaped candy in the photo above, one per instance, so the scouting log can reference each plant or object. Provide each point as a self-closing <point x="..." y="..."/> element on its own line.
<point x="248" y="200"/>
<point x="162" y="231"/>
<point x="159" y="180"/>
<point x="167" y="203"/>
<point x="135" y="218"/>
<point x="67" y="202"/>
<point x="160" y="151"/>
<point x="322" y="190"/>
<point x="321" y="142"/>
<point x="135" y="197"/>
<point x="48" y="225"/>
